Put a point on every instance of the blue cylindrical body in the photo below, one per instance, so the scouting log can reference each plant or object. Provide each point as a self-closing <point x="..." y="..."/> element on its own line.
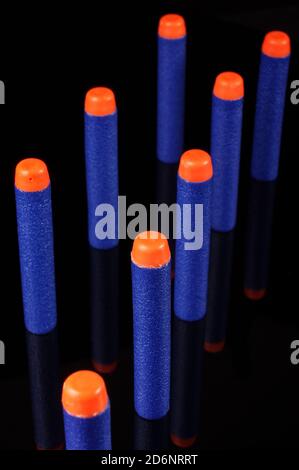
<point x="171" y="98"/>
<point x="88" y="433"/>
<point x="35" y="233"/>
<point x="101" y="158"/>
<point x="192" y="265"/>
<point x="151" y="320"/>
<point x="272" y="83"/>
<point x="226" y="132"/>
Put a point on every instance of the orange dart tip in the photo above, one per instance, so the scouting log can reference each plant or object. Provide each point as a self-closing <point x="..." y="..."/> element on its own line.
<point x="31" y="175"/>
<point x="229" y="86"/>
<point x="276" y="44"/>
<point x="150" y="250"/>
<point x="172" y="27"/>
<point x="84" y="394"/>
<point x="196" y="166"/>
<point x="100" y="101"/>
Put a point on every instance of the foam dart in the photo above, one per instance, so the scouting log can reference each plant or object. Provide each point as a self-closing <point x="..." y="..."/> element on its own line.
<point x="101" y="157"/>
<point x="35" y="234"/>
<point x="192" y="261"/>
<point x="172" y="39"/>
<point x="226" y="128"/>
<point x="272" y="85"/>
<point x="271" y="91"/>
<point x="190" y="298"/>
<point x="151" y="321"/>
<point x="101" y="160"/>
<point x="86" y="411"/>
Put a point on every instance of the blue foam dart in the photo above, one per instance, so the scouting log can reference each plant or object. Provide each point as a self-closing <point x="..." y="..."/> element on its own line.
<point x="101" y="158"/>
<point x="172" y="41"/>
<point x="86" y="411"/>
<point x="35" y="234"/>
<point x="151" y="279"/>
<point x="226" y="129"/>
<point x="272" y="84"/>
<point x="87" y="433"/>
<point x="192" y="265"/>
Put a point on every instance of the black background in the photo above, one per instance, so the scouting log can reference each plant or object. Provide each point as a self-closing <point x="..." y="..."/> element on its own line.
<point x="49" y="59"/>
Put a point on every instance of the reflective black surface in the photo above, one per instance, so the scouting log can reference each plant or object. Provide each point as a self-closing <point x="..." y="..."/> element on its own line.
<point x="250" y="391"/>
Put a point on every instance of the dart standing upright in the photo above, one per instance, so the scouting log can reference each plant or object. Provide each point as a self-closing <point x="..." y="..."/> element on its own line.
<point x="190" y="294"/>
<point x="151" y="319"/>
<point x="172" y="41"/>
<point x="101" y="157"/>
<point x="35" y="234"/>
<point x="272" y="85"/>
<point x="86" y="411"/>
<point x="226" y="130"/>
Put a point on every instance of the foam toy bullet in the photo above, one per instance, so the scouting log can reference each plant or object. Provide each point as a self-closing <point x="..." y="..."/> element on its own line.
<point x="190" y="299"/>
<point x="35" y="234"/>
<point x="226" y="130"/>
<point x="86" y="411"/>
<point x="151" y="320"/>
<point x="191" y="274"/>
<point x="101" y="158"/>
<point x="271" y="91"/>
<point x="172" y="39"/>
<point x="270" y="102"/>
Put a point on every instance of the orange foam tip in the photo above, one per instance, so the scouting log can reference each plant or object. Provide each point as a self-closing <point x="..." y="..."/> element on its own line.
<point x="276" y="44"/>
<point x="100" y="101"/>
<point x="104" y="368"/>
<point x="214" y="347"/>
<point x="84" y="394"/>
<point x="172" y="27"/>
<point x="253" y="294"/>
<point x="196" y="166"/>
<point x="229" y="86"/>
<point x="183" y="442"/>
<point x="150" y="250"/>
<point x="31" y="175"/>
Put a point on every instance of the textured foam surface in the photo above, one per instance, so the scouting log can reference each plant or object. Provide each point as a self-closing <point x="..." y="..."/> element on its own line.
<point x="225" y="151"/>
<point x="101" y="158"/>
<point x="88" y="433"/>
<point x="191" y="266"/>
<point x="273" y="76"/>
<point x="171" y="98"/>
<point x="35" y="232"/>
<point x="151" y="320"/>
